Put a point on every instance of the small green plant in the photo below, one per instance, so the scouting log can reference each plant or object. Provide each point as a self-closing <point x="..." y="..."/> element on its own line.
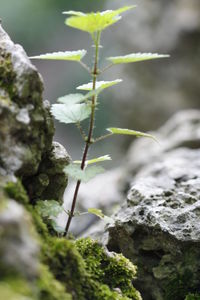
<point x="75" y="108"/>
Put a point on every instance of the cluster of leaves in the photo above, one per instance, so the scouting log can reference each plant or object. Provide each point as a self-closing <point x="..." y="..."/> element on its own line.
<point x="75" y="108"/>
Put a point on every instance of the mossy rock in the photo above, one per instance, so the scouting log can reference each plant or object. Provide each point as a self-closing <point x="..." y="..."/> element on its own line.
<point x="89" y="272"/>
<point x="77" y="270"/>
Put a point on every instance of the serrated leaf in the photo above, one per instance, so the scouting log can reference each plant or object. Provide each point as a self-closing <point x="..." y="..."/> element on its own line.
<point x="94" y="22"/>
<point x="130" y="132"/>
<point x="96" y="212"/>
<point x="77" y="98"/>
<point x="83" y="175"/>
<point x="62" y="55"/>
<point x="71" y="99"/>
<point x="94" y="160"/>
<point x="49" y="208"/>
<point x="135" y="57"/>
<point x="100" y="85"/>
<point x="71" y="113"/>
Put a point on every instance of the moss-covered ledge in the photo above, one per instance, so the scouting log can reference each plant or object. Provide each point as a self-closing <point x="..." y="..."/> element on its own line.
<point x="70" y="269"/>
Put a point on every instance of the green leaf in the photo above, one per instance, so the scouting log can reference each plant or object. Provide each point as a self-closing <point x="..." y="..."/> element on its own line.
<point x="74" y="13"/>
<point x="77" y="98"/>
<point x="130" y="132"/>
<point x="94" y="22"/>
<point x="49" y="208"/>
<point x="83" y="175"/>
<point x="135" y="57"/>
<point x="62" y="55"/>
<point x="100" y="85"/>
<point x="71" y="113"/>
<point x="94" y="160"/>
<point x="96" y="212"/>
<point x="71" y="99"/>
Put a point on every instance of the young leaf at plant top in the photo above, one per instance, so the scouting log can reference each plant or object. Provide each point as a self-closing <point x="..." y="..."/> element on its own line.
<point x="100" y="85"/>
<point x="94" y="160"/>
<point x="85" y="175"/>
<point x="62" y="55"/>
<point x="94" y="22"/>
<point x="71" y="113"/>
<point x="135" y="57"/>
<point x="123" y="131"/>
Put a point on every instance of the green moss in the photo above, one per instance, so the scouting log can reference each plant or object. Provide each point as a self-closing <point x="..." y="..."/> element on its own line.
<point x="16" y="191"/>
<point x="179" y="286"/>
<point x="39" y="224"/>
<point x="113" y="270"/>
<point x="193" y="297"/>
<point x="46" y="287"/>
<point x="49" y="287"/>
<point x="85" y="274"/>
<point x="66" y="264"/>
<point x="7" y="76"/>
<point x="81" y="268"/>
<point x="16" y="289"/>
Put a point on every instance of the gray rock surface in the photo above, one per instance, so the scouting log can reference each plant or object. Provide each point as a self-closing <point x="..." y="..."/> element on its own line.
<point x="26" y="126"/>
<point x="158" y="227"/>
<point x="28" y="153"/>
<point x="181" y="130"/>
<point x="19" y="247"/>
<point x="152" y="91"/>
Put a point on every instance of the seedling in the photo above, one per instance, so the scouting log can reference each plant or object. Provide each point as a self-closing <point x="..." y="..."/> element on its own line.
<point x="75" y="108"/>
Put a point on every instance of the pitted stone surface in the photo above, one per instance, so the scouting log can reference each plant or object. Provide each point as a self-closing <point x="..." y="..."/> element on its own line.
<point x="159" y="225"/>
<point x="26" y="127"/>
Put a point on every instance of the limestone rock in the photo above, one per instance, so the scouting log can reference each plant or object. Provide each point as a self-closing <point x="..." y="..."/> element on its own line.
<point x="19" y="248"/>
<point x="26" y="125"/>
<point x="158" y="226"/>
<point x="50" y="181"/>
<point x="181" y="130"/>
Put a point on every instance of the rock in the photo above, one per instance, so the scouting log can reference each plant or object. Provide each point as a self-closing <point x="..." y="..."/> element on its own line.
<point x="158" y="226"/>
<point x="26" y="125"/>
<point x="181" y="130"/>
<point x="19" y="247"/>
<point x="152" y="91"/>
<point x="50" y="181"/>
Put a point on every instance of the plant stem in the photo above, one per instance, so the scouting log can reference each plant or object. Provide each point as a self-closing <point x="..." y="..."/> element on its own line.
<point x="90" y="132"/>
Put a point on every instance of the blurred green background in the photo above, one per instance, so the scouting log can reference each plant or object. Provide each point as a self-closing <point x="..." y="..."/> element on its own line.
<point x="151" y="91"/>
